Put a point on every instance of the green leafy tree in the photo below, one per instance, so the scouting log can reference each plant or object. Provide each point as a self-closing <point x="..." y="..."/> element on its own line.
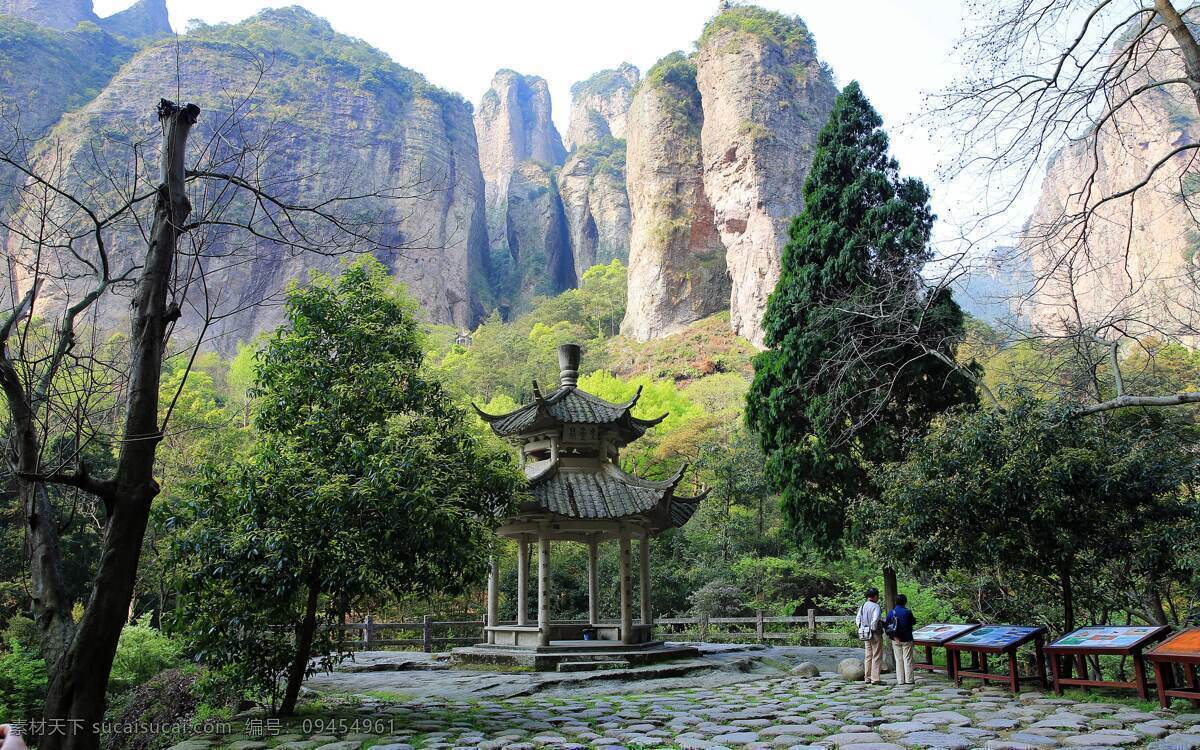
<point x="1057" y="504"/>
<point x="365" y="478"/>
<point x="859" y="353"/>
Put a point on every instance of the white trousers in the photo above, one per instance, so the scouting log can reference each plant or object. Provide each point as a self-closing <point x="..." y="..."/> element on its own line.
<point x="872" y="658"/>
<point x="903" y="651"/>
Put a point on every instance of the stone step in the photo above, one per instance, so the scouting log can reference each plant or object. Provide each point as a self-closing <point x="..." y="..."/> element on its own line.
<point x="592" y="666"/>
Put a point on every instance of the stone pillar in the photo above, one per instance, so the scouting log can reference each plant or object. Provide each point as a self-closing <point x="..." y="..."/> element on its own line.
<point x="522" y="580"/>
<point x="644" y="584"/>
<point x="543" y="588"/>
<point x="593" y="581"/>
<point x="626" y="591"/>
<point x="493" y="599"/>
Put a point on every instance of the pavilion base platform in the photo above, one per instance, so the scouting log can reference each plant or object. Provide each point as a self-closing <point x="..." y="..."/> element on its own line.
<point x="572" y="656"/>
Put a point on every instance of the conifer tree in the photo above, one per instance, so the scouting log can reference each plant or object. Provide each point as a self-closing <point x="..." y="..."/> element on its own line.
<point x="860" y="350"/>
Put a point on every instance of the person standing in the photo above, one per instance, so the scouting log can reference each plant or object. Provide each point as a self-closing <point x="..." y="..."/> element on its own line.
<point x="899" y="627"/>
<point x="870" y="631"/>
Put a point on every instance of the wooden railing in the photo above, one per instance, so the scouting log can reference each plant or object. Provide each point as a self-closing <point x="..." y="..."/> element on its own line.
<point x="761" y="628"/>
<point x="431" y="635"/>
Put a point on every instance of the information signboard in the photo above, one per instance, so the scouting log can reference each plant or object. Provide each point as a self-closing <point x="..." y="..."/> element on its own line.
<point x="1004" y="640"/>
<point x="1181" y="651"/>
<point x="1116" y="640"/>
<point x="934" y="635"/>
<point x="1116" y="637"/>
<point x="995" y="636"/>
<point x="940" y="632"/>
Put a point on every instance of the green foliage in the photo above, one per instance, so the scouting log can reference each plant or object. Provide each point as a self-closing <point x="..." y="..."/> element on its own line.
<point x="142" y="652"/>
<point x="365" y="478"/>
<point x="22" y="682"/>
<point x="603" y="83"/>
<point x="718" y="598"/>
<point x="1064" y="510"/>
<point x="78" y="62"/>
<point x="788" y="32"/>
<point x="604" y="156"/>
<point x="843" y="380"/>
<point x="506" y="357"/>
<point x="22" y="630"/>
<point x="676" y="69"/>
<point x="676" y="74"/>
<point x="657" y="397"/>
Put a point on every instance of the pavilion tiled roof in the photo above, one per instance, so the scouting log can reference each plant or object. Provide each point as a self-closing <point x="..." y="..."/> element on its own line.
<point x="570" y="405"/>
<point x="609" y="493"/>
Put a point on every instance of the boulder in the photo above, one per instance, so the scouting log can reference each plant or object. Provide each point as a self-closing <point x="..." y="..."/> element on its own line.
<point x="851" y="669"/>
<point x="806" y="669"/>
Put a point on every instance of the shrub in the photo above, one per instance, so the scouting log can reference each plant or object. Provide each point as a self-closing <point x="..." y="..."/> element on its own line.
<point x="167" y="698"/>
<point x="24" y="631"/>
<point x="22" y="683"/>
<point x="718" y="598"/>
<point x="142" y="652"/>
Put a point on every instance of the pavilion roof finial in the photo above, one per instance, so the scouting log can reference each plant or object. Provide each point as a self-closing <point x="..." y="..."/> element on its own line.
<point x="568" y="365"/>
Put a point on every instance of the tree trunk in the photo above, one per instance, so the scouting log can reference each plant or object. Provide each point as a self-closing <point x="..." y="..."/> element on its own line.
<point x="77" y="686"/>
<point x="889" y="588"/>
<point x="304" y="640"/>
<point x="889" y="600"/>
<point x="51" y="603"/>
<point x="1068" y="596"/>
<point x="1188" y="47"/>
<point x="1154" y="605"/>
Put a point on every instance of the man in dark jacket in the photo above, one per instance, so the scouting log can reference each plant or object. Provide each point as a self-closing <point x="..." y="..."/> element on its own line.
<point x="899" y="627"/>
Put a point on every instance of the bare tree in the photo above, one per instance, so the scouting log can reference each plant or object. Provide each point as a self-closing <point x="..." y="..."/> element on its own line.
<point x="1098" y="102"/>
<point x="69" y="255"/>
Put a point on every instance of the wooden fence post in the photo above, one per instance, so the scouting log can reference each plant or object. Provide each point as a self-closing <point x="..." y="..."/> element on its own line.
<point x="812" y="622"/>
<point x="368" y="632"/>
<point x="759" y="630"/>
<point x="427" y="633"/>
<point x="703" y="627"/>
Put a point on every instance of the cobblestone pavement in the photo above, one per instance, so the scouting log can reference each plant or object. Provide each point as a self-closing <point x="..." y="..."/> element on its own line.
<point x="772" y="712"/>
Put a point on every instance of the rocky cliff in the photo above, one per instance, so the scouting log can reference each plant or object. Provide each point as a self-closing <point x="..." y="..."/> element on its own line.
<point x="692" y="174"/>
<point x="760" y="98"/>
<point x="145" y="18"/>
<point x="46" y="73"/>
<point x="331" y="110"/>
<point x="519" y="151"/>
<point x="765" y="97"/>
<point x="677" y="271"/>
<point x="592" y="182"/>
<point x="1135" y="260"/>
<point x="600" y="104"/>
<point x="592" y="187"/>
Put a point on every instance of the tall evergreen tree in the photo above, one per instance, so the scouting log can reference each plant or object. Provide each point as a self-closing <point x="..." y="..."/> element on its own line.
<point x="859" y="348"/>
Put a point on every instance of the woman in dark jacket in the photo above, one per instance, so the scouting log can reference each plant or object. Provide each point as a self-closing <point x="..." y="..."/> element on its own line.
<point x="899" y="627"/>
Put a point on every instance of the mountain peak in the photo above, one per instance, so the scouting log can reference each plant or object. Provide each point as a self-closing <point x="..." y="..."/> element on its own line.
<point x="143" y="19"/>
<point x="62" y="15"/>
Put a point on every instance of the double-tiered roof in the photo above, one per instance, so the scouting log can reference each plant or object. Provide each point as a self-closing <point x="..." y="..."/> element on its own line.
<point x="570" y="441"/>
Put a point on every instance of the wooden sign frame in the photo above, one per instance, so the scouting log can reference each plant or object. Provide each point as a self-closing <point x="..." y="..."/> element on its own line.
<point x="979" y="652"/>
<point x="1062" y="654"/>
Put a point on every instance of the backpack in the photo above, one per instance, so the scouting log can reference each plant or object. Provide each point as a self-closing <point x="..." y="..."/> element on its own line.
<point x="891" y="624"/>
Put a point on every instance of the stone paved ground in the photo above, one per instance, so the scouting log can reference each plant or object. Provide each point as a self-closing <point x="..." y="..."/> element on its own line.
<point x="772" y="712"/>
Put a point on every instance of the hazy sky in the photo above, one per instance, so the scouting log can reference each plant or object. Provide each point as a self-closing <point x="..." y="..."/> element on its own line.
<point x="902" y="52"/>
